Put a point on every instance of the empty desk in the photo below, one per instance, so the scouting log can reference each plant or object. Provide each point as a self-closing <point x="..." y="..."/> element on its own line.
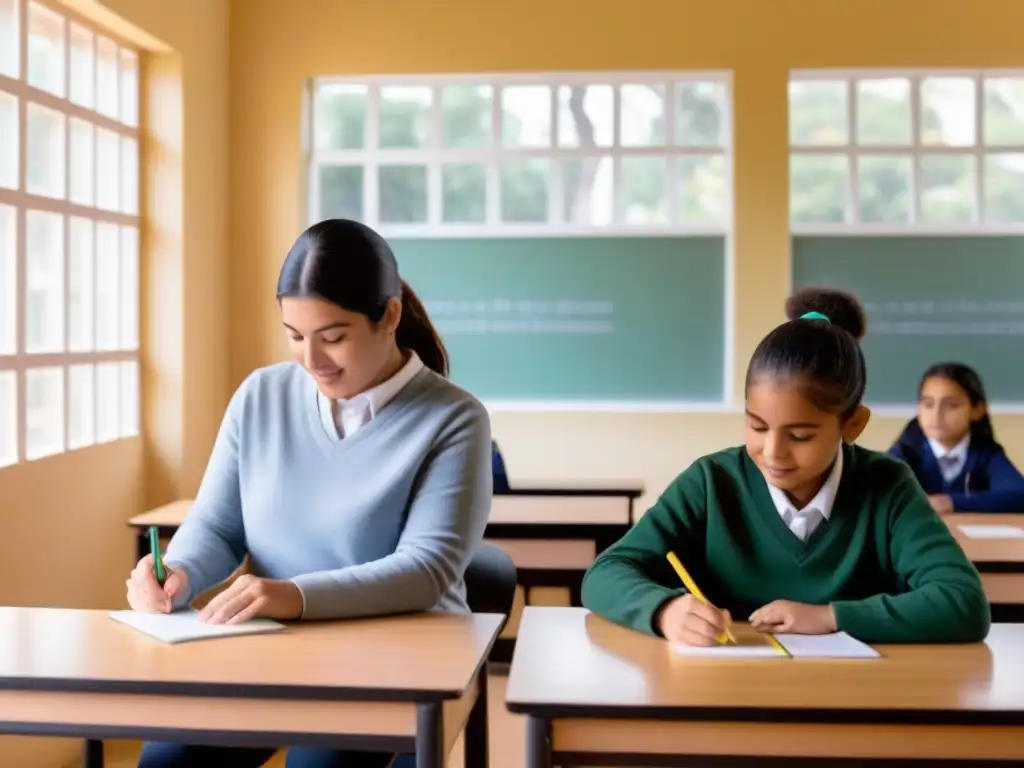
<point x="999" y="560"/>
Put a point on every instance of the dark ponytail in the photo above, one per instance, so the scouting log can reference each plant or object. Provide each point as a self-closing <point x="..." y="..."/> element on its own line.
<point x="969" y="381"/>
<point x="348" y="264"/>
<point x="417" y="333"/>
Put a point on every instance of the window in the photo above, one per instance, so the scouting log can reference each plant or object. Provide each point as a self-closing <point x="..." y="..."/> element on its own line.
<point x="69" y="233"/>
<point x="486" y="155"/>
<point x="888" y="151"/>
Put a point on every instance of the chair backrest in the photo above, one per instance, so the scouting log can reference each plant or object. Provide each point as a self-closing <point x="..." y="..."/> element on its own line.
<point x="491" y="581"/>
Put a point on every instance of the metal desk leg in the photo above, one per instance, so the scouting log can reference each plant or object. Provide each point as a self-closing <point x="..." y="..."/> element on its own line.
<point x="429" y="736"/>
<point x="92" y="754"/>
<point x="538" y="743"/>
<point x="475" y="740"/>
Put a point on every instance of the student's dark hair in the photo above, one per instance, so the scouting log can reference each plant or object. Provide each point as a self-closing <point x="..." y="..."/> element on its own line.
<point x="969" y="381"/>
<point x="348" y="264"/>
<point x="821" y="354"/>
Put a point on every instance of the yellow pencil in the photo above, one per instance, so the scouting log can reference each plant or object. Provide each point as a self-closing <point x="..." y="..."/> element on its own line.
<point x="778" y="646"/>
<point x="694" y="590"/>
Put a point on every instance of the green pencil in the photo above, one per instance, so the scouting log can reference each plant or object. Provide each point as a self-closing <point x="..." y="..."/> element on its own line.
<point x="158" y="562"/>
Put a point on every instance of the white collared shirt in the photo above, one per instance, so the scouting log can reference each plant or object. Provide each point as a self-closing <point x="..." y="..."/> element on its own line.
<point x="951" y="460"/>
<point x="803" y="522"/>
<point x="356" y="412"/>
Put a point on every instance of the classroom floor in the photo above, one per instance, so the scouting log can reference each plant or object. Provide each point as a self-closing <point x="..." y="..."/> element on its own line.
<point x="507" y="733"/>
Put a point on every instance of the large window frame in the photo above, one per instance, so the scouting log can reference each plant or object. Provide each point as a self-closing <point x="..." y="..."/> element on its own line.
<point x="979" y="150"/>
<point x="74" y="360"/>
<point x="433" y="155"/>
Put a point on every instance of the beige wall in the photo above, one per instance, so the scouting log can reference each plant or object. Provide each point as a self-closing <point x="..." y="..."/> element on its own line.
<point x="276" y="47"/>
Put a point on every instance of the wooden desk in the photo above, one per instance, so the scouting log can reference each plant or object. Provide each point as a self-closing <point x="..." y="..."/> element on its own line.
<point x="598" y="694"/>
<point x="393" y="684"/>
<point x="1000" y="562"/>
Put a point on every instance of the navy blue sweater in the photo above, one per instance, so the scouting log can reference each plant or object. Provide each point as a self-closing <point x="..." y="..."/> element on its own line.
<point x="988" y="482"/>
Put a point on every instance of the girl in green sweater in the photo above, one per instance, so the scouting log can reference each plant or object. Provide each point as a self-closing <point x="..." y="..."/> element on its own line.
<point x="799" y="530"/>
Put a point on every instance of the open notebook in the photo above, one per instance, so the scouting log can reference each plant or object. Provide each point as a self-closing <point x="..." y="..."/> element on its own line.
<point x="751" y="644"/>
<point x="182" y="626"/>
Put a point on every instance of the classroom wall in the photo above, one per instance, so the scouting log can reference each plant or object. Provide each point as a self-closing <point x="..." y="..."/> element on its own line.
<point x="276" y="47"/>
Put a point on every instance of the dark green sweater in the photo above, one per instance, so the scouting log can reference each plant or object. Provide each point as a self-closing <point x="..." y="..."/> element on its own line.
<point x="885" y="560"/>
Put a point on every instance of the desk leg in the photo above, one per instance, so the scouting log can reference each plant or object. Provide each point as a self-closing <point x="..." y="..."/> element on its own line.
<point x="429" y="736"/>
<point x="475" y="739"/>
<point x="92" y="754"/>
<point x="538" y="742"/>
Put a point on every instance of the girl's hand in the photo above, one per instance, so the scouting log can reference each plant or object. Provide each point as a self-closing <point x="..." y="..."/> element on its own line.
<point x="799" y="618"/>
<point x="689" y="621"/>
<point x="250" y="596"/>
<point x="941" y="503"/>
<point x="145" y="594"/>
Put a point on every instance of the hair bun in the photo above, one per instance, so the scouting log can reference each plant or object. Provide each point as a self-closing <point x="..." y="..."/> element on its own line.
<point x="842" y="308"/>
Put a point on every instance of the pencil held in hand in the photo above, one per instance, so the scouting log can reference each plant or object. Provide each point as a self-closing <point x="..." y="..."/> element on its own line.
<point x="693" y="589"/>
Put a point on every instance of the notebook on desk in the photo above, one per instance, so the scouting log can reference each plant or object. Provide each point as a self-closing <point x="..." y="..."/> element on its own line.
<point x="184" y="626"/>
<point x="837" y="645"/>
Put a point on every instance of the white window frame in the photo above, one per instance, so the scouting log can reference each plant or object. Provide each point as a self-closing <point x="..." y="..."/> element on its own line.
<point x="22" y="201"/>
<point x="492" y="156"/>
<point x="915" y="149"/>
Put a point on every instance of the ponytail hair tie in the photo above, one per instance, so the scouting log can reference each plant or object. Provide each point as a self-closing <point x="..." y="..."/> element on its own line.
<point x="815" y="316"/>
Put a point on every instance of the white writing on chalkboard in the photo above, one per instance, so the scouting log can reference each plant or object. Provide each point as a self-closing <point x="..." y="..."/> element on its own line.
<point x="502" y="315"/>
<point x="952" y="317"/>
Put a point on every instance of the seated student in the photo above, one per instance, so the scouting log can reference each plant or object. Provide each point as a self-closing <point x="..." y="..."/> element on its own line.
<point x="952" y="448"/>
<point x="498" y="471"/>
<point x="799" y="530"/>
<point x="364" y="407"/>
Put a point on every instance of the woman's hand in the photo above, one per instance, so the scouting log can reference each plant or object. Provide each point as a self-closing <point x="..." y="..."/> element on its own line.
<point x="145" y="594"/>
<point x="799" y="618"/>
<point x="689" y="621"/>
<point x="941" y="503"/>
<point x="250" y="596"/>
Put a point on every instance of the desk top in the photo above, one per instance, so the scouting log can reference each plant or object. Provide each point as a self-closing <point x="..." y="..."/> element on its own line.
<point x="630" y="489"/>
<point x="1007" y="554"/>
<point x="571" y="663"/>
<point x="169" y="515"/>
<point x="419" y="657"/>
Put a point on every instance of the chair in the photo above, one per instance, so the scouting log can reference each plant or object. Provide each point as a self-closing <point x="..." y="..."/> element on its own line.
<point x="491" y="581"/>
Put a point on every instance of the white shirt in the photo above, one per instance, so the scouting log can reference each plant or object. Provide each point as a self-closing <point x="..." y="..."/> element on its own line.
<point x="356" y="412"/>
<point x="951" y="460"/>
<point x="803" y="522"/>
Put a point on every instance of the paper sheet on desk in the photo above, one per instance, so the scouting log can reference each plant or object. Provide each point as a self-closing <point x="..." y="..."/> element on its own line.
<point x="183" y="626"/>
<point x="992" y="531"/>
<point x="837" y="645"/>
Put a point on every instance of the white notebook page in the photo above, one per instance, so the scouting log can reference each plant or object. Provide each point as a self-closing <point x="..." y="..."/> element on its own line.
<point x="182" y="626"/>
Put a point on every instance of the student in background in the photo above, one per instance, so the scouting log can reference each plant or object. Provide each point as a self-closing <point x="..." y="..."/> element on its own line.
<point x="799" y="530"/>
<point x="365" y="405"/>
<point x="952" y="449"/>
<point x="498" y="471"/>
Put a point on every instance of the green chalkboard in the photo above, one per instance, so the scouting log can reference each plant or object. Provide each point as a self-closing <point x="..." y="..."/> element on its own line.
<point x="576" y="319"/>
<point x="928" y="299"/>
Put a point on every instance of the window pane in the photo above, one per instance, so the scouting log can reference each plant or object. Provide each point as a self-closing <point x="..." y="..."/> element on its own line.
<point x="129" y="88"/>
<point x="819" y="186"/>
<point x="883" y="111"/>
<point x="341" y="192"/>
<point x="8" y="279"/>
<point x="129" y="303"/>
<point x="45" y="49"/>
<point x="44" y="274"/>
<point x="108" y="158"/>
<point x="701" y="114"/>
<point x="108" y="331"/>
<point x="10" y="48"/>
<point x="81" y="406"/>
<point x="404" y="117"/>
<point x="403" y="194"/>
<point x="585" y="116"/>
<point x="81" y="308"/>
<point x="466" y="115"/>
<point x="1004" y="188"/>
<point x="526" y="116"/>
<point x="948" y="189"/>
<point x="588" y="195"/>
<point x="948" y="111"/>
<point x="44" y="412"/>
<point x="464" y="192"/>
<point x="83" y="161"/>
<point x="83" y="67"/>
<point x="524" y="190"/>
<point x="129" y="176"/>
<point x="884" y="188"/>
<point x="8" y="140"/>
<point x="340" y="116"/>
<point x="129" y="398"/>
<point x="642" y="115"/>
<point x="818" y="113"/>
<point x="108" y="412"/>
<point x="702" y="188"/>
<point x="8" y="418"/>
<point x="1004" y="116"/>
<point x="107" y="75"/>
<point x="44" y="129"/>
<point x="644" y="188"/>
